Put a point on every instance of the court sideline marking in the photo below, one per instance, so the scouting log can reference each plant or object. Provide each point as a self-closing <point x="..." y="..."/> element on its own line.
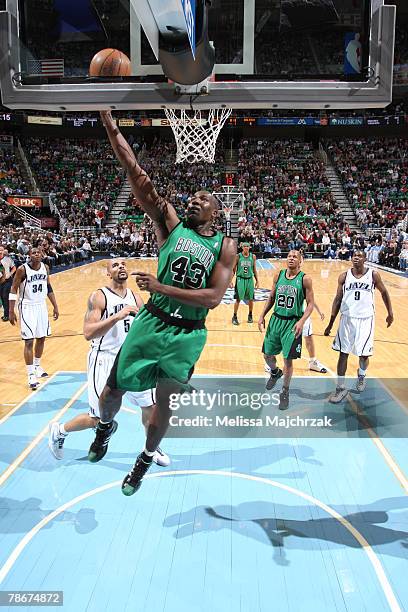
<point x="24" y="454"/>
<point x="26" y="399"/>
<point x="367" y="549"/>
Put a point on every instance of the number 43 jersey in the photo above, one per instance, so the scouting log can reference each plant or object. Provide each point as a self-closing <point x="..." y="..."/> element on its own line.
<point x="186" y="260"/>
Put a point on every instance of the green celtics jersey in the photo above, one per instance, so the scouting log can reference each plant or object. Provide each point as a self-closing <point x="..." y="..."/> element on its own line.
<point x="186" y="260"/>
<point x="289" y="296"/>
<point x="245" y="267"/>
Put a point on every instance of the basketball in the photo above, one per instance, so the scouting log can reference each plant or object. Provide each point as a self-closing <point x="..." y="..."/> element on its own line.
<point x="110" y="63"/>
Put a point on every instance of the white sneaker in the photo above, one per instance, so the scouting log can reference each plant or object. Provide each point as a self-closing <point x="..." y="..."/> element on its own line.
<point x="160" y="458"/>
<point x="361" y="382"/>
<point x="338" y="395"/>
<point x="40" y="373"/>
<point x="32" y="381"/>
<point x="316" y="366"/>
<point x="56" y="441"/>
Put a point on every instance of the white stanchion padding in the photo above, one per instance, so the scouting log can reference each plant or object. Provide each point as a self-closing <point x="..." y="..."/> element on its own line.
<point x="196" y="132"/>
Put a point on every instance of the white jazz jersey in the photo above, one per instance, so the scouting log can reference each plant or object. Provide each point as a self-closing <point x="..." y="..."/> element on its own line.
<point x="358" y="296"/>
<point x="115" y="337"/>
<point x="32" y="306"/>
<point x="103" y="352"/>
<point x="33" y="289"/>
<point x="356" y="329"/>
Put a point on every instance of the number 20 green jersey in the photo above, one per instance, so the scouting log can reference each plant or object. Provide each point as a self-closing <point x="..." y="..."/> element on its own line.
<point x="186" y="260"/>
<point x="289" y="296"/>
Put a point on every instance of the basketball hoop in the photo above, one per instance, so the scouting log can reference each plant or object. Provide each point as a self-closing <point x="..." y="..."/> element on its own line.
<point x="227" y="209"/>
<point x="196" y="132"/>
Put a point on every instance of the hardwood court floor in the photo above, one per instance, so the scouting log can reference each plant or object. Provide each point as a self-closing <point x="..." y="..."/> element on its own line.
<point x="229" y="349"/>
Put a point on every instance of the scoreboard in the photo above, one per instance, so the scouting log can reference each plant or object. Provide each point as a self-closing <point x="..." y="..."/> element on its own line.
<point x="230" y="179"/>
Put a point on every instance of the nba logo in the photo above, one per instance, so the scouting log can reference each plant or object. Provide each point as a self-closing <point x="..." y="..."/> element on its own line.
<point x="352" y="53"/>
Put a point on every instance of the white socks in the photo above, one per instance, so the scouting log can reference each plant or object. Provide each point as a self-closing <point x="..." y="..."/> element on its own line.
<point x="37" y="361"/>
<point x="361" y="372"/>
<point x="340" y="381"/>
<point x="30" y="369"/>
<point x="148" y="453"/>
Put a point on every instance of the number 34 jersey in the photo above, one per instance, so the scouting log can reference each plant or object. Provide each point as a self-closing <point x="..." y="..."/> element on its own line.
<point x="115" y="337"/>
<point x="358" y="295"/>
<point x="186" y="260"/>
<point x="33" y="289"/>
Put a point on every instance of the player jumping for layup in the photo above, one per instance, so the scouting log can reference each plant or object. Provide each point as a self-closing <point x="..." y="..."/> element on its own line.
<point x="110" y="314"/>
<point x="32" y="282"/>
<point x="245" y="269"/>
<point x="167" y="338"/>
<point x="290" y="288"/>
<point x="355" y="301"/>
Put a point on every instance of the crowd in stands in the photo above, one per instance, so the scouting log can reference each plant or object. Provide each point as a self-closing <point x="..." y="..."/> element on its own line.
<point x="83" y="177"/>
<point x="374" y="173"/>
<point x="288" y="201"/>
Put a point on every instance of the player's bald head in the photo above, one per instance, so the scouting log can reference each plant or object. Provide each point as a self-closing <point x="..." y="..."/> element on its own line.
<point x="210" y="197"/>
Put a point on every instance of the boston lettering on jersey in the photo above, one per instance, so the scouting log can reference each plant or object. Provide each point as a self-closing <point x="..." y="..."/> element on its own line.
<point x="287" y="290"/>
<point x="201" y="253"/>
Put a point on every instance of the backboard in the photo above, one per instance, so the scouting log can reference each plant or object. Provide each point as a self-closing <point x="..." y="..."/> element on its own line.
<point x="268" y="53"/>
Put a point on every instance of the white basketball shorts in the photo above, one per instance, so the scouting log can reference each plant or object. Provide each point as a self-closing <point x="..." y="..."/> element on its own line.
<point x="307" y="328"/>
<point x="355" y="336"/>
<point x="99" y="366"/>
<point x="34" y="321"/>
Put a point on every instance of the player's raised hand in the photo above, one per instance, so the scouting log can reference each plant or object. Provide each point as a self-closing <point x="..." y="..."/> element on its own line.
<point x="106" y="117"/>
<point x="126" y="311"/>
<point x="261" y="324"/>
<point x="389" y="320"/>
<point x="147" y="282"/>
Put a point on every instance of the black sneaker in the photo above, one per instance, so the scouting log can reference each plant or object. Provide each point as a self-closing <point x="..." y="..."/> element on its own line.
<point x="273" y="379"/>
<point x="99" y="446"/>
<point x="284" y="399"/>
<point x="5" y="319"/>
<point x="235" y="320"/>
<point x="250" y="319"/>
<point x="132" y="481"/>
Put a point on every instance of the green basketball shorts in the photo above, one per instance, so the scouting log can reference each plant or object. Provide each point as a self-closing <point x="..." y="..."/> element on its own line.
<point x="155" y="350"/>
<point x="279" y="338"/>
<point x="244" y="288"/>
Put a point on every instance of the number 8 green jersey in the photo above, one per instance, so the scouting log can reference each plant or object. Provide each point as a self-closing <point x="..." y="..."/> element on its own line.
<point x="289" y="296"/>
<point x="186" y="260"/>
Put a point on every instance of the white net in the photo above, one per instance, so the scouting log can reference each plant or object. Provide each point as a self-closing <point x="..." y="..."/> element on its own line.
<point x="196" y="132"/>
<point x="227" y="211"/>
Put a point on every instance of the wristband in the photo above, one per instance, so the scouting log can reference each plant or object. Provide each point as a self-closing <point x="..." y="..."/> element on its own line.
<point x="12" y="296"/>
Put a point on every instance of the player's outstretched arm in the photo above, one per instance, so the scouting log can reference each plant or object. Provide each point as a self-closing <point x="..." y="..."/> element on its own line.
<point x="153" y="205"/>
<point x="209" y="297"/>
<point x="93" y="326"/>
<point x="17" y="280"/>
<point x="378" y="282"/>
<point x="336" y="303"/>
<point x="268" y="304"/>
